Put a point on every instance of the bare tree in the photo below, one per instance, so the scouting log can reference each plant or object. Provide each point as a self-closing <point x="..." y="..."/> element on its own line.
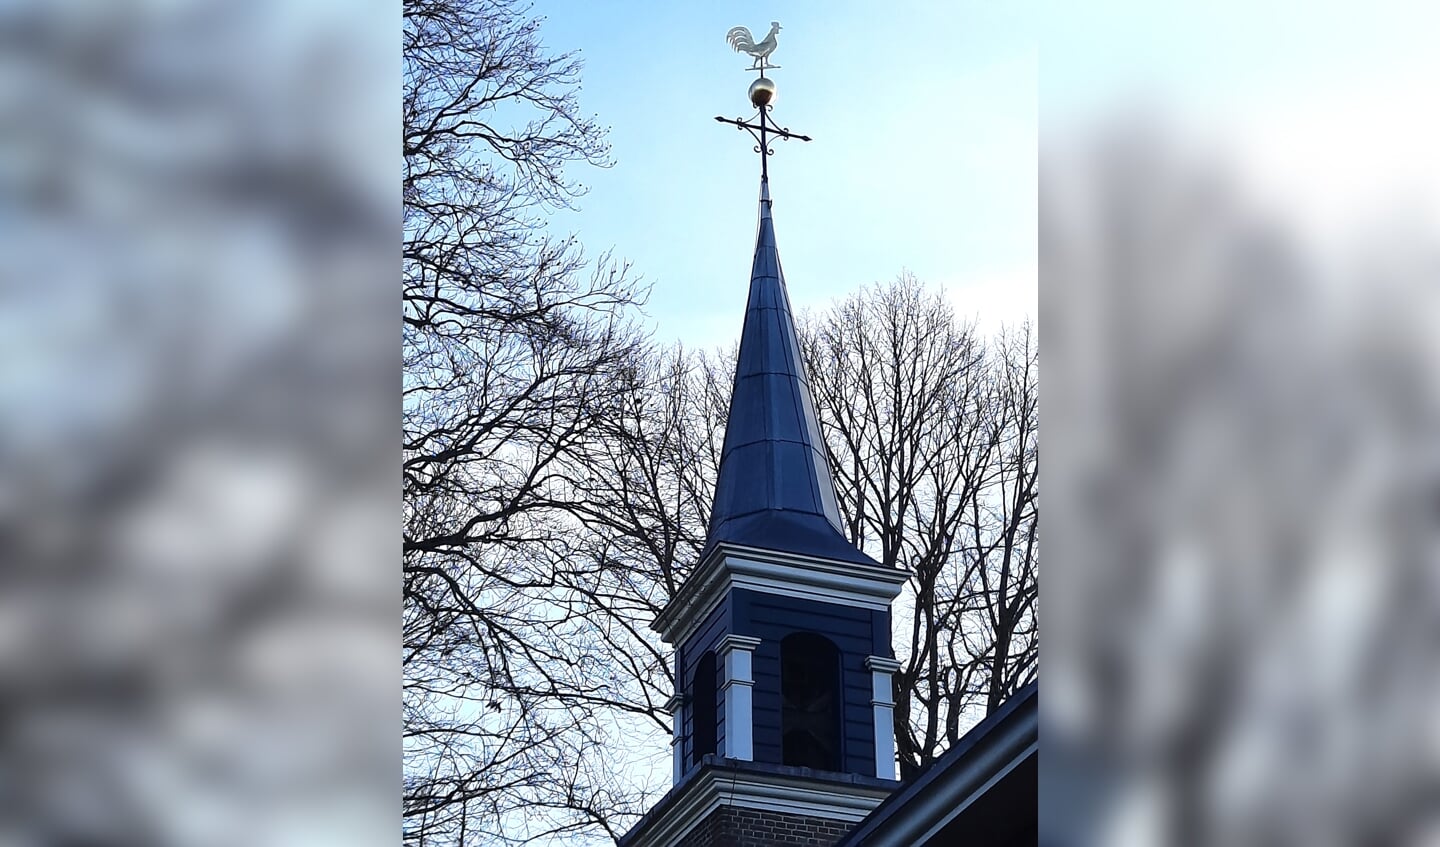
<point x="932" y="437"/>
<point x="647" y="494"/>
<point x="518" y="353"/>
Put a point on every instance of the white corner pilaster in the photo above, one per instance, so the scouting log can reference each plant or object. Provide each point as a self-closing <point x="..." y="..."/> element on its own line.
<point x="737" y="652"/>
<point x="677" y="749"/>
<point x="882" y="702"/>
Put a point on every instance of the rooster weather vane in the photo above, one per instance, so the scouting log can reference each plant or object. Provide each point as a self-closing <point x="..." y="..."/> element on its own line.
<point x="739" y="38"/>
<point x="762" y="92"/>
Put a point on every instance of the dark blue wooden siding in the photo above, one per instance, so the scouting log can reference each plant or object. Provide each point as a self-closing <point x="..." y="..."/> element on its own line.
<point x="716" y="626"/>
<point x="858" y="633"/>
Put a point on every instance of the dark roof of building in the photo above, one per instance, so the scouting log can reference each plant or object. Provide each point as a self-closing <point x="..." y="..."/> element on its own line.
<point x="774" y="488"/>
<point x="982" y="790"/>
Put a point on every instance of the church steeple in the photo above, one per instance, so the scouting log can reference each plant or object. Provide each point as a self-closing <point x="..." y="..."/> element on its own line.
<point x="781" y="630"/>
<point x="774" y="489"/>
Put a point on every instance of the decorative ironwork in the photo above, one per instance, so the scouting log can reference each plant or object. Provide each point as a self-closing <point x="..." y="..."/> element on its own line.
<point x="762" y="93"/>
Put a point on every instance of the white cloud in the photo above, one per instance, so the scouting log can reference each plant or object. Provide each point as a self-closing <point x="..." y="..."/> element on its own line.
<point x="996" y="297"/>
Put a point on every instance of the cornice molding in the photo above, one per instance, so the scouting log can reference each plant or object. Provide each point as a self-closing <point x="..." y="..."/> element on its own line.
<point x="737" y="642"/>
<point x="882" y="664"/>
<point x="716" y="786"/>
<point x="772" y="572"/>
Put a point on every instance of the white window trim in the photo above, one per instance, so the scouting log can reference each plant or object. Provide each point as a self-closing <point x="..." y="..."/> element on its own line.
<point x="737" y="654"/>
<point x="677" y="747"/>
<point x="882" y="704"/>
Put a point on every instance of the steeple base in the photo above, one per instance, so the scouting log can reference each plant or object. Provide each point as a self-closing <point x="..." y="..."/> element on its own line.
<point x="730" y="802"/>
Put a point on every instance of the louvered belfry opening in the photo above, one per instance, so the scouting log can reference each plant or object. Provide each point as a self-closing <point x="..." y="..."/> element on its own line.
<point x="810" y="697"/>
<point x="703" y="708"/>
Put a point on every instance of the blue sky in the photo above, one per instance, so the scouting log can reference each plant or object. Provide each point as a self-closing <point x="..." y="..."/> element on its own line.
<point x="924" y="120"/>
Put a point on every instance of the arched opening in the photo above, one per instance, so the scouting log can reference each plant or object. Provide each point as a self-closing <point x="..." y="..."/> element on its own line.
<point x="702" y="708"/>
<point x="810" y="698"/>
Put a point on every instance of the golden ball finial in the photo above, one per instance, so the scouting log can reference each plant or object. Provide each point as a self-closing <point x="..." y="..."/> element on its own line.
<point x="762" y="92"/>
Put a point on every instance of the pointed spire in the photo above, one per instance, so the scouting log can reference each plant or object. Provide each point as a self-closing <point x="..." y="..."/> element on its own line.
<point x="774" y="488"/>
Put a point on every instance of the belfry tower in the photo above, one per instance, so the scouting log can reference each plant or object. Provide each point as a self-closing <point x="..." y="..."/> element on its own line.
<point x="783" y="724"/>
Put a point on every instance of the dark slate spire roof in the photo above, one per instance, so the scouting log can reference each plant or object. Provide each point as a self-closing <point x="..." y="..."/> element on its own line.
<point x="774" y="489"/>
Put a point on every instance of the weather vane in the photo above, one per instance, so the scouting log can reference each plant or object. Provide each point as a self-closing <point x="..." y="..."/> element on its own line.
<point x="762" y="93"/>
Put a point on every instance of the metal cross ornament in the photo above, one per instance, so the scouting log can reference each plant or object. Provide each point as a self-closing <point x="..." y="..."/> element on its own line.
<point x="762" y="93"/>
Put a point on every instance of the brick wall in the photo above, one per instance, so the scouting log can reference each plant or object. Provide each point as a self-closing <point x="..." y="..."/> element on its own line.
<point x="728" y="826"/>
